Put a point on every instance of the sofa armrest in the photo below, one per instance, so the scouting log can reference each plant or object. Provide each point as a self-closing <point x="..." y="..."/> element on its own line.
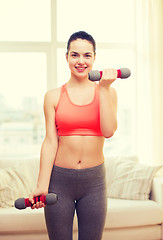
<point x="157" y="190"/>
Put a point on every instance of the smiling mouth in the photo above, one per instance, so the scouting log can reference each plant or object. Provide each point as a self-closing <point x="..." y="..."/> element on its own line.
<point x="80" y="68"/>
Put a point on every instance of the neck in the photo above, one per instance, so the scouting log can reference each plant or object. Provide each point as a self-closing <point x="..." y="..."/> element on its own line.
<point x="82" y="82"/>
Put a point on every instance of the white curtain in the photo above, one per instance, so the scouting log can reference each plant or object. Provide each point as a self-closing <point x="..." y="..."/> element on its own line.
<point x="149" y="43"/>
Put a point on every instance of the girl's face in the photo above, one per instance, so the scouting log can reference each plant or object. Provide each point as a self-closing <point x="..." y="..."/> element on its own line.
<point x="80" y="58"/>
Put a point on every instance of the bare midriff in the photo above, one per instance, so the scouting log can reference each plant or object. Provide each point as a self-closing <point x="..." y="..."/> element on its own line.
<point x="79" y="152"/>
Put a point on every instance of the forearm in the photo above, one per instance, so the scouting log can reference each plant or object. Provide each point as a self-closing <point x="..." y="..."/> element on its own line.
<point x="108" y="110"/>
<point x="47" y="157"/>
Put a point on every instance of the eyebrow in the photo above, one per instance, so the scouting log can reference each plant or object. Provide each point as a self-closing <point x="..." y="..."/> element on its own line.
<point x="84" y="53"/>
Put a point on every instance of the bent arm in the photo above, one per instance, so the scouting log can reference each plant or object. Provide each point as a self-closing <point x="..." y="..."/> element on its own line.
<point x="108" y="105"/>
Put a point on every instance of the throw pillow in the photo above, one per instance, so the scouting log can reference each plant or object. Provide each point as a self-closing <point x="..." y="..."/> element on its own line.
<point x="15" y="182"/>
<point x="112" y="162"/>
<point x="132" y="180"/>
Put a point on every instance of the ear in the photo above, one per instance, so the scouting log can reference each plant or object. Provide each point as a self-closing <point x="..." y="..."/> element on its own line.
<point x="94" y="56"/>
<point x="66" y="56"/>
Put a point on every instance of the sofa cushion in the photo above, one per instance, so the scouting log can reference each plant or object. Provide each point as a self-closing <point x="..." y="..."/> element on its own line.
<point x="22" y="221"/>
<point x="130" y="213"/>
<point x="131" y="180"/>
<point x="121" y="213"/>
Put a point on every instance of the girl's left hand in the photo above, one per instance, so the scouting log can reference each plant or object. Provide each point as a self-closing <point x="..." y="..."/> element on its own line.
<point x="109" y="75"/>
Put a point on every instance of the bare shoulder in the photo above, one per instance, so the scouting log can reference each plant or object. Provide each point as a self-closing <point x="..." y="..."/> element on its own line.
<point x="52" y="97"/>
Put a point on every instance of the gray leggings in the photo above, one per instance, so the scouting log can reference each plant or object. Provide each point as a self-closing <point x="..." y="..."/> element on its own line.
<point x="83" y="190"/>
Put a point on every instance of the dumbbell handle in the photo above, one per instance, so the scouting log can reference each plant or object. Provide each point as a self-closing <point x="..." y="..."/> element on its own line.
<point x="118" y="73"/>
<point x="36" y="199"/>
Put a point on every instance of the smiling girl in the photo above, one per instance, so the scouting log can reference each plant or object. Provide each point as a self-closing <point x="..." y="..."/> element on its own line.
<point x="79" y="116"/>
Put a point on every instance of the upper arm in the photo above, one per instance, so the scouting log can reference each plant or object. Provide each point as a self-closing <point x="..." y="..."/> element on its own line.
<point x="49" y="112"/>
<point x="114" y="99"/>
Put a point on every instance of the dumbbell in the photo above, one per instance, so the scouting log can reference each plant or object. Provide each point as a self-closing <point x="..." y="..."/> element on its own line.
<point x="96" y="75"/>
<point x="49" y="199"/>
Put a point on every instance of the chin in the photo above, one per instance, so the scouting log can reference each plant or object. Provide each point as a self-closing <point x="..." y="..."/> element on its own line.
<point x="81" y="75"/>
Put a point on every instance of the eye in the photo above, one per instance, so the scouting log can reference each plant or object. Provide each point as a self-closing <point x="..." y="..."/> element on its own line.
<point x="88" y="56"/>
<point x="74" y="55"/>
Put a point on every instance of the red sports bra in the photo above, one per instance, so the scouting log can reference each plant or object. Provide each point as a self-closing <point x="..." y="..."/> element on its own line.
<point x="73" y="119"/>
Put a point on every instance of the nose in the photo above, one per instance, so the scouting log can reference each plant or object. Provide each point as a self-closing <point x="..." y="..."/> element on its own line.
<point x="81" y="60"/>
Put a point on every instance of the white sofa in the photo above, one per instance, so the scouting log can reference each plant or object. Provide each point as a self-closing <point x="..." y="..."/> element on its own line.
<point x="126" y="219"/>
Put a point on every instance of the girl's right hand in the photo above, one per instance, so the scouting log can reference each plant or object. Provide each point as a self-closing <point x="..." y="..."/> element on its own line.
<point x="36" y="193"/>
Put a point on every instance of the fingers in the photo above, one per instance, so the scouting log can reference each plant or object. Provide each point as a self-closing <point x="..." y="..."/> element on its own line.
<point x="109" y="74"/>
<point x="38" y="205"/>
<point x="31" y="196"/>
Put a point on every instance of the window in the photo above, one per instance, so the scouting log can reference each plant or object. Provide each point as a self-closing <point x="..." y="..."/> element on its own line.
<point x="106" y="20"/>
<point x="25" y="20"/>
<point x="25" y="60"/>
<point x="23" y="77"/>
<point x="33" y="40"/>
